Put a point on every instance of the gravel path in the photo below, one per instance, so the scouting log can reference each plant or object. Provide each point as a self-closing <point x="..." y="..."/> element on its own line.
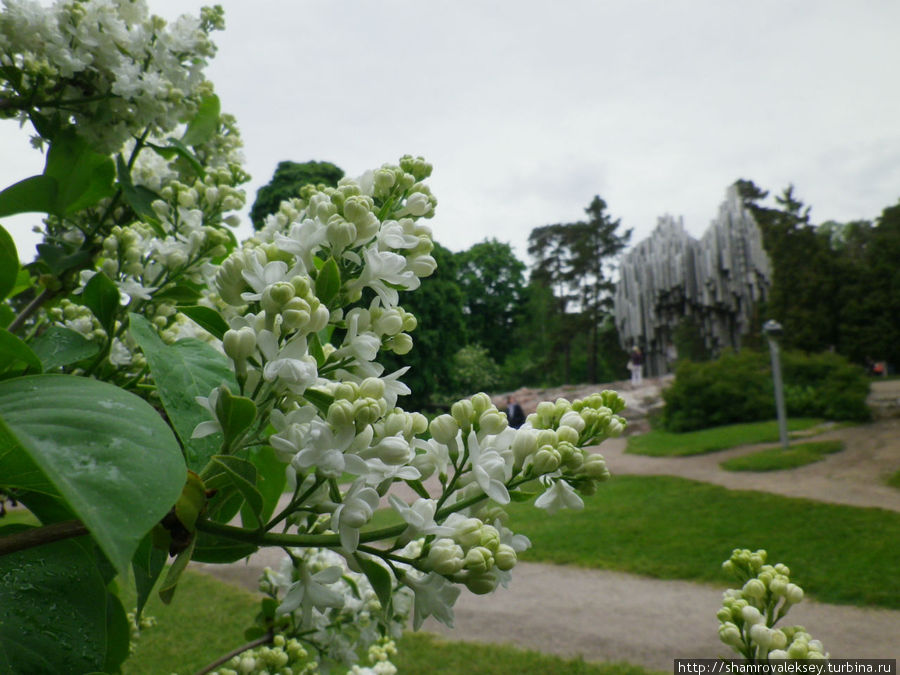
<point x="614" y="616"/>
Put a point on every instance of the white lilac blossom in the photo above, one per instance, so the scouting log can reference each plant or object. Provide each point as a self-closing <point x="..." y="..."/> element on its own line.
<point x="748" y="615"/>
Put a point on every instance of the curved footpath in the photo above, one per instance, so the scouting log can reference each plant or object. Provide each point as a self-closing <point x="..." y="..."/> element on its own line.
<point x="614" y="616"/>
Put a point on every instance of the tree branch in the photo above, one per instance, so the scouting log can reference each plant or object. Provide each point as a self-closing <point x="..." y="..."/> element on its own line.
<point x="32" y="307"/>
<point x="39" y="536"/>
<point x="234" y="652"/>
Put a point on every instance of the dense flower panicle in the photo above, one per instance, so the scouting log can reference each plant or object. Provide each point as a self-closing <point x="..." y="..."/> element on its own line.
<point x="748" y="615"/>
<point x="119" y="69"/>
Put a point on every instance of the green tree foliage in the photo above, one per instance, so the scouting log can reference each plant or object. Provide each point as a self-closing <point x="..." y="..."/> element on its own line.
<point x="869" y="299"/>
<point x="574" y="260"/>
<point x="474" y="370"/>
<point x="803" y="296"/>
<point x="440" y="333"/>
<point x="492" y="280"/>
<point x="286" y="182"/>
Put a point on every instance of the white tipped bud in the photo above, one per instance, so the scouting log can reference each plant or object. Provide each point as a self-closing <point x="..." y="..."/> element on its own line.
<point x="444" y="429"/>
<point x="481" y="402"/>
<point x="492" y="422"/>
<point x="445" y="557"/>
<point x="505" y="558"/>
<point x="478" y="560"/>
<point x="239" y="344"/>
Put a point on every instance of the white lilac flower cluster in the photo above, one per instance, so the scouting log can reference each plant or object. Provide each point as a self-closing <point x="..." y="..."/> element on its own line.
<point x="335" y="610"/>
<point x="749" y="614"/>
<point x="111" y="66"/>
<point x="311" y="302"/>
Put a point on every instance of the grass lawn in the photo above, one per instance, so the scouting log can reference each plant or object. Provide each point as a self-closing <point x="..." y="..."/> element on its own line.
<point x="673" y="528"/>
<point x="776" y="459"/>
<point x="208" y="618"/>
<point x="658" y="443"/>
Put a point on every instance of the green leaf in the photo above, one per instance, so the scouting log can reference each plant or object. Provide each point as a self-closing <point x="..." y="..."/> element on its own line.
<point x="205" y="122"/>
<point x="23" y="283"/>
<point x="167" y="590"/>
<point x="9" y="263"/>
<point x="328" y="281"/>
<point x="139" y="198"/>
<point x="147" y="564"/>
<point x="36" y="194"/>
<point x="242" y="475"/>
<point x="235" y="414"/>
<point x="70" y="638"/>
<point x="58" y="346"/>
<point x="270" y="478"/>
<point x="83" y="176"/>
<point x="183" y="371"/>
<point x="118" y="634"/>
<point x="320" y="399"/>
<point x="13" y="351"/>
<point x="185" y="153"/>
<point x="105" y="451"/>
<point x="184" y="292"/>
<point x="419" y="489"/>
<point x="208" y="319"/>
<point x="58" y="260"/>
<point x="379" y="577"/>
<point x="315" y="349"/>
<point x="219" y="550"/>
<point x="101" y="296"/>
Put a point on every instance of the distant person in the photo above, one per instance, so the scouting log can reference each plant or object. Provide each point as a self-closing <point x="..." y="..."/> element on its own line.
<point x="636" y="365"/>
<point x="514" y="413"/>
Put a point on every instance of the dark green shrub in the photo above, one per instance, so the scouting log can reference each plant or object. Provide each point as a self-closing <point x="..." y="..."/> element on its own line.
<point x="737" y="387"/>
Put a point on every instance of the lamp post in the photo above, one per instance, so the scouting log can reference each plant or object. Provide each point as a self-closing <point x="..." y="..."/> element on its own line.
<point x="773" y="330"/>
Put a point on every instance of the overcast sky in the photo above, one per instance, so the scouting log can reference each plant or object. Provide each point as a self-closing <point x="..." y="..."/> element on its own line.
<point x="529" y="108"/>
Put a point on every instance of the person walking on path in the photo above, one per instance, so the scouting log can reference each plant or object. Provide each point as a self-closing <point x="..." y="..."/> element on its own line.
<point x="636" y="365"/>
<point x="514" y="413"/>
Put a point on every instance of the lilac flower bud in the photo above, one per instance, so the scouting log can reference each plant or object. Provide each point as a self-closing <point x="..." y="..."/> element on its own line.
<point x="730" y="634"/>
<point x="492" y="422"/>
<point x="445" y="557"/>
<point x="478" y="560"/>
<point x="754" y="588"/>
<point x="505" y="557"/>
<point x="444" y="429"/>
<point x="239" y="344"/>
<point x="468" y="533"/>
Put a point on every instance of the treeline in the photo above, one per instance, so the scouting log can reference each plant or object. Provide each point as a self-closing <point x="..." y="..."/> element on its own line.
<point x="487" y="321"/>
<point x="835" y="286"/>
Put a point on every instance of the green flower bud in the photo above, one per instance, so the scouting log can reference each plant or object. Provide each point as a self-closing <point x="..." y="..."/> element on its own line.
<point x="505" y="558"/>
<point x="341" y="413"/>
<point x="595" y="467"/>
<point x="340" y="233"/>
<point x="778" y="639"/>
<point x="568" y="435"/>
<point x="723" y="615"/>
<point x="546" y="460"/>
<point x="481" y="584"/>
<point x="372" y="387"/>
<point x="490" y="538"/>
<point x="400" y="344"/>
<point x="410" y="322"/>
<point x="730" y="634"/>
<point x="478" y="560"/>
<point x="347" y="390"/>
<point x="295" y="314"/>
<point x="762" y="635"/>
<point x="445" y="557"/>
<point x="754" y="588"/>
<point x="492" y="422"/>
<point x="481" y="402"/>
<point x="239" y="344"/>
<point x="463" y="412"/>
<point x="798" y="649"/>
<point x="751" y="614"/>
<point x="444" y="428"/>
<point x="793" y="593"/>
<point x="468" y="533"/>
<point x="524" y="445"/>
<point x="545" y="411"/>
<point x="366" y="410"/>
<point x="547" y="437"/>
<point x="357" y="208"/>
<point x="419" y="423"/>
